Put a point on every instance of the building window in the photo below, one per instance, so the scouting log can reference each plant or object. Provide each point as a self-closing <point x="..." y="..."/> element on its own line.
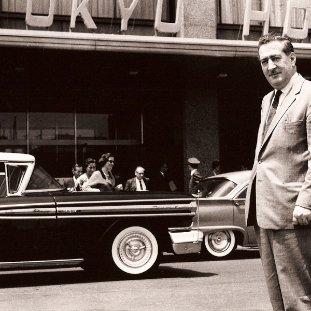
<point x="13" y="132"/>
<point x="58" y="139"/>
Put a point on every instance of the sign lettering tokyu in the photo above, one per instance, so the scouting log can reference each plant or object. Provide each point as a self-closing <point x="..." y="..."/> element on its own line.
<point x="82" y="10"/>
<point x="126" y="13"/>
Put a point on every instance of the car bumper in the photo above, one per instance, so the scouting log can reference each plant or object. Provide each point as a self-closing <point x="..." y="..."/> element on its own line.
<point x="186" y="242"/>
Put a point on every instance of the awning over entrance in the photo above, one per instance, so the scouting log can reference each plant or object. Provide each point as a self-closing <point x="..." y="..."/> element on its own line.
<point x="136" y="44"/>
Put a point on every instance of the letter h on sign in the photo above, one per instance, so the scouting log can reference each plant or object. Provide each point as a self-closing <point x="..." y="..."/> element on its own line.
<point x="250" y="14"/>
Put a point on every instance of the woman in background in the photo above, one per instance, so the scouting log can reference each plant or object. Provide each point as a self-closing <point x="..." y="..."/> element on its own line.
<point x="90" y="168"/>
<point x="103" y="178"/>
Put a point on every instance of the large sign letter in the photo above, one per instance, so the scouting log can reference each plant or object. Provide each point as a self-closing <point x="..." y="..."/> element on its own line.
<point x="126" y="13"/>
<point x="85" y="14"/>
<point x="297" y="33"/>
<point x="168" y="27"/>
<point x="39" y="21"/>
<point x="263" y="16"/>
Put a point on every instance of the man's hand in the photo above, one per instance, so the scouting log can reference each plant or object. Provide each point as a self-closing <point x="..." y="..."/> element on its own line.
<point x="301" y="216"/>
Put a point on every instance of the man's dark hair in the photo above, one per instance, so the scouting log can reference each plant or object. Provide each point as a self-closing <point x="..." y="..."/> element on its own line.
<point x="75" y="166"/>
<point x="271" y="36"/>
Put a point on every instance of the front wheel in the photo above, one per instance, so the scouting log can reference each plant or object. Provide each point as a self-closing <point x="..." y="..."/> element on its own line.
<point x="135" y="250"/>
<point x="220" y="243"/>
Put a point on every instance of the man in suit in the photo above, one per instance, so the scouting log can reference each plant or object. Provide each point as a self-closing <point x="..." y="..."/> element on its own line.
<point x="278" y="200"/>
<point x="69" y="183"/>
<point x="162" y="181"/>
<point x="195" y="177"/>
<point x="139" y="182"/>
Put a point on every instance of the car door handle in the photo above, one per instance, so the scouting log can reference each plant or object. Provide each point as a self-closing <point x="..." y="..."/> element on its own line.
<point x="237" y="204"/>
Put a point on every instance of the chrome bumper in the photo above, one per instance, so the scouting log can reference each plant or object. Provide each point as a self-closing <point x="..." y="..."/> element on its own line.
<point x="186" y="242"/>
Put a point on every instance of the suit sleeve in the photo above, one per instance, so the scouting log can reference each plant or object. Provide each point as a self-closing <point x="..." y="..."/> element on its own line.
<point x="304" y="196"/>
<point x="197" y="177"/>
<point x="128" y="185"/>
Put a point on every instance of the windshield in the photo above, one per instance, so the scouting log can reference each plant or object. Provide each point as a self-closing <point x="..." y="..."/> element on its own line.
<point x="217" y="188"/>
<point x="40" y="179"/>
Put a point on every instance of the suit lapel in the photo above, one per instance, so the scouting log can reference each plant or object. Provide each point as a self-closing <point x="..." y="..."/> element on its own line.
<point x="287" y="103"/>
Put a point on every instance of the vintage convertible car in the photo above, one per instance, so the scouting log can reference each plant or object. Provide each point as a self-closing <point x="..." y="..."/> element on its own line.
<point x="43" y="224"/>
<point x="221" y="213"/>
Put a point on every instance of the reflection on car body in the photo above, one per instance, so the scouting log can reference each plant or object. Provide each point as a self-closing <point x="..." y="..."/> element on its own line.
<point x="222" y="213"/>
<point x="43" y="224"/>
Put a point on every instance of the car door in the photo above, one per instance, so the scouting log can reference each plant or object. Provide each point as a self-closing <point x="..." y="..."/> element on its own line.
<point x="27" y="221"/>
<point x="239" y="215"/>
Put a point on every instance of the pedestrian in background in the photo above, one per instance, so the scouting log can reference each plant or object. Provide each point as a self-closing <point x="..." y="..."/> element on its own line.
<point x="195" y="177"/>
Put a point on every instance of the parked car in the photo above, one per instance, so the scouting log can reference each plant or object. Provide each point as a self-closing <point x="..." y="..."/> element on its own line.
<point x="221" y="213"/>
<point x="43" y="224"/>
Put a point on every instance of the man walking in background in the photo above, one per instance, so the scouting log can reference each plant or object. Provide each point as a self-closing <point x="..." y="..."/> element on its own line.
<point x="195" y="177"/>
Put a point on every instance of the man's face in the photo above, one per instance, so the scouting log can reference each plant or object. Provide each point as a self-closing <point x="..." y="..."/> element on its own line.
<point x="77" y="172"/>
<point x="140" y="172"/>
<point x="277" y="67"/>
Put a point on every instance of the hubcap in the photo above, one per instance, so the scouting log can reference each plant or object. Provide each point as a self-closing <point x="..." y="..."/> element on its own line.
<point x="135" y="249"/>
<point x="219" y="241"/>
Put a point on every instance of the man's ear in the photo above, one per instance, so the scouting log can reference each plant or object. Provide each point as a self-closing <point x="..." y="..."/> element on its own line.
<point x="293" y="57"/>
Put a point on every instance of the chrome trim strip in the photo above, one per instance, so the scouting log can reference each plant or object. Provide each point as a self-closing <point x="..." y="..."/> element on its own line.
<point x="41" y="263"/>
<point x="107" y="208"/>
<point x="12" y="206"/>
<point x="126" y="201"/>
<point x="36" y="217"/>
<point x="70" y="215"/>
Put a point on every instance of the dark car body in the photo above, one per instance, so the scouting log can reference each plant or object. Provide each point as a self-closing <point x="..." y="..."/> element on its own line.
<point x="42" y="223"/>
<point x="221" y="213"/>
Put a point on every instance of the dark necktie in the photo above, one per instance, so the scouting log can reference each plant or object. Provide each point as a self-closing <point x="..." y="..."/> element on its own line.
<point x="141" y="185"/>
<point x="272" y="111"/>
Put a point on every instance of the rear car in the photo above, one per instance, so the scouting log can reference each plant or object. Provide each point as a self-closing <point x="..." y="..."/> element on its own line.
<point x="221" y="214"/>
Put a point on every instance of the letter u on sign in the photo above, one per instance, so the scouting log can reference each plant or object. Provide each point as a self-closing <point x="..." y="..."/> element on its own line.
<point x="168" y="27"/>
<point x="39" y="21"/>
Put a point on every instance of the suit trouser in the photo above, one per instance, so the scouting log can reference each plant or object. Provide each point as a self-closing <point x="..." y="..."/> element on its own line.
<point x="286" y="261"/>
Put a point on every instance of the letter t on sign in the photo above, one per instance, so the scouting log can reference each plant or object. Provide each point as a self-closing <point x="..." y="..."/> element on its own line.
<point x="85" y="14"/>
<point x="296" y="33"/>
<point x="263" y="16"/>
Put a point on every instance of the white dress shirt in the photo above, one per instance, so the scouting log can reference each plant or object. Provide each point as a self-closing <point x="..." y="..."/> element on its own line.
<point x="138" y="187"/>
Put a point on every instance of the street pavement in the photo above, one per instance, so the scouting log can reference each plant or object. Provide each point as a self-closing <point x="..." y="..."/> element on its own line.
<point x="181" y="283"/>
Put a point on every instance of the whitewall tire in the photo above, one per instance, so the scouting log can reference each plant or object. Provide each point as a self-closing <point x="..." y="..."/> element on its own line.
<point x="135" y="250"/>
<point x="220" y="243"/>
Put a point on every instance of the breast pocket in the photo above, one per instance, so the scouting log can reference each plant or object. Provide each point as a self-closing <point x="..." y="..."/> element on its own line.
<point x="295" y="136"/>
<point x="294" y="127"/>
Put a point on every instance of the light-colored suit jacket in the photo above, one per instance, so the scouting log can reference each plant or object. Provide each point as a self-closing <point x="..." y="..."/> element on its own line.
<point x="281" y="176"/>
